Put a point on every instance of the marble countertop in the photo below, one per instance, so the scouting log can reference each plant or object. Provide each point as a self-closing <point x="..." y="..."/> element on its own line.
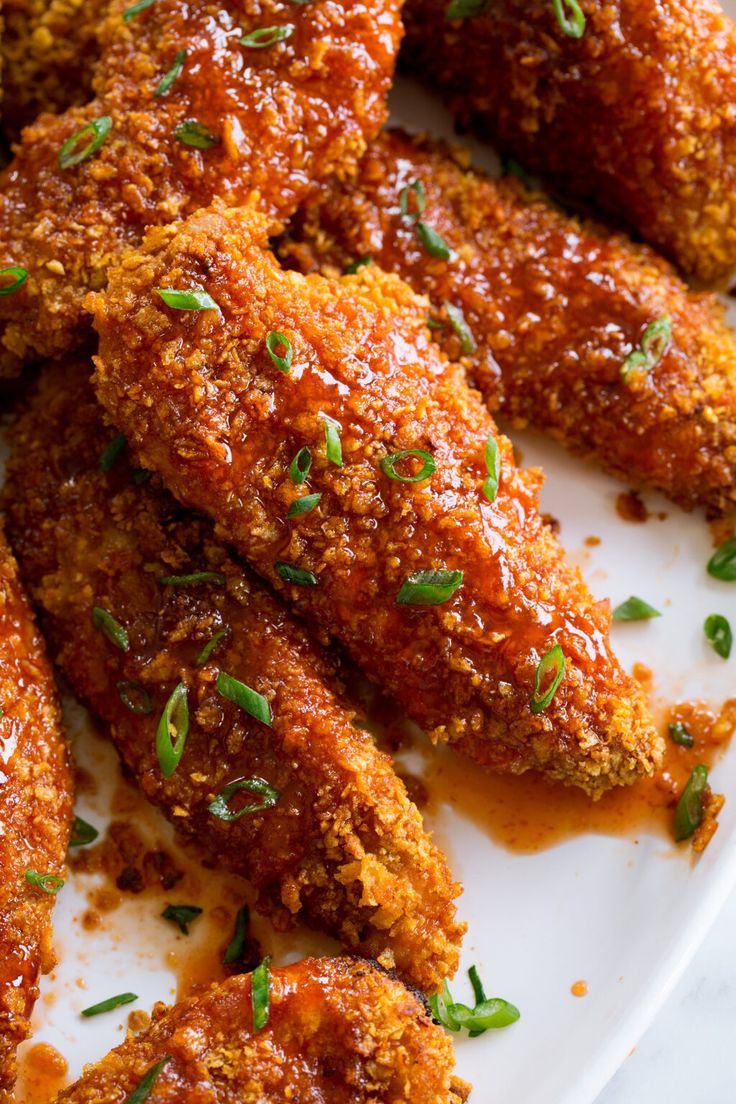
<point x="689" y="1052"/>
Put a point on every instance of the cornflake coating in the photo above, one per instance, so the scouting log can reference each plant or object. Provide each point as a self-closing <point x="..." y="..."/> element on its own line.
<point x="338" y="1029"/>
<point x="35" y="810"/>
<point x="271" y="122"/>
<point x="199" y="396"/>
<point x="344" y="848"/>
<point x="638" y="115"/>
<point x="553" y="306"/>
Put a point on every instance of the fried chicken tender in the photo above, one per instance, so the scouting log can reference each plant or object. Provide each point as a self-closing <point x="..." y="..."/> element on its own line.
<point x="636" y="116"/>
<point x="550" y="308"/>
<point x="35" y="811"/>
<point x="240" y="120"/>
<point x="344" y="846"/>
<point x="338" y="1030"/>
<point x="200" y="396"/>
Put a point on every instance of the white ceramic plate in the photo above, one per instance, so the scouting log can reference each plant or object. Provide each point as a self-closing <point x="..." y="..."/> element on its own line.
<point x="622" y="913"/>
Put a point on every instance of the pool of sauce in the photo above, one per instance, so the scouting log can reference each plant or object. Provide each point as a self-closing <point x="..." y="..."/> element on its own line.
<point x="43" y="1073"/>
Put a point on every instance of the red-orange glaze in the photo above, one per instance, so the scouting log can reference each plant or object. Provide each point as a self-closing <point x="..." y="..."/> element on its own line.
<point x="42" y="1073"/>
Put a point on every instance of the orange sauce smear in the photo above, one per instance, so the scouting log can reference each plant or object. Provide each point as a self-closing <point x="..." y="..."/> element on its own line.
<point x="43" y="1073"/>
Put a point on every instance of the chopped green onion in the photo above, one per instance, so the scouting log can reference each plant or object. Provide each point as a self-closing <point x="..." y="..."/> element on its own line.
<point x="680" y="735"/>
<point x="388" y="466"/>
<point x="113" y="452"/>
<point x="654" y="344"/>
<point x="179" y="58"/>
<point x="478" y="991"/>
<point x="260" y="983"/>
<point x="249" y="700"/>
<point x="210" y="646"/>
<point x="689" y="810"/>
<point x="267" y="36"/>
<point x="110" y="1004"/>
<point x="275" y="341"/>
<point x="174" y="722"/>
<point x="303" y="505"/>
<point x="193" y="133"/>
<point x="216" y="578"/>
<point x="296" y="575"/>
<point x="635" y="609"/>
<point x="82" y="833"/>
<point x="718" y="634"/>
<point x="487" y="1014"/>
<point x="143" y="1089"/>
<point x="435" y="323"/>
<point x="182" y="915"/>
<point x="187" y="300"/>
<point x="435" y="245"/>
<point x="112" y="629"/>
<point x="573" y="24"/>
<point x="139" y="476"/>
<point x="98" y="129"/>
<point x="220" y="808"/>
<point x="333" y="444"/>
<point x="493" y="469"/>
<point x="19" y="274"/>
<point x="553" y="661"/>
<point x="429" y="588"/>
<point x="466" y="9"/>
<point x="300" y="466"/>
<point x="236" y="946"/>
<point x="136" y="9"/>
<point x="49" y="883"/>
<point x="135" y="697"/>
<point x="461" y="328"/>
<point x="722" y="564"/>
<point x="414" y="193"/>
<point x="353" y="267"/>
<point x="509" y="167"/>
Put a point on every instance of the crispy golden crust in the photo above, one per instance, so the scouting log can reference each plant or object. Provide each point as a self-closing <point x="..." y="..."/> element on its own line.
<point x="637" y="115"/>
<point x="201" y="399"/>
<point x="344" y="846"/>
<point x="286" y="117"/>
<point x="35" y="808"/>
<point x="555" y="304"/>
<point x="338" y="1030"/>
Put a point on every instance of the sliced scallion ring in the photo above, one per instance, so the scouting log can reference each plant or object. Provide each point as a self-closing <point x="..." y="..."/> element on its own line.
<point x="429" y="588"/>
<point x="296" y="575"/>
<point x="135" y="697"/>
<point x="268" y="795"/>
<point x="722" y="564"/>
<point x="174" y="723"/>
<point x="432" y="242"/>
<point x="103" y="620"/>
<point x="97" y="131"/>
<point x="260" y="986"/>
<point x="182" y="916"/>
<point x="82" y="833"/>
<point x="461" y="328"/>
<point x="48" y="883"/>
<point x="267" y="36"/>
<point x="19" y="276"/>
<point x="195" y="134"/>
<point x="333" y="442"/>
<point x="718" y="634"/>
<point x="412" y="194"/>
<point x="634" y="609"/>
<point x="388" y="466"/>
<point x="248" y="699"/>
<point x="236" y="946"/>
<point x="493" y="469"/>
<point x="572" y="20"/>
<point x="300" y="466"/>
<point x="303" y="505"/>
<point x="143" y="1089"/>
<point x="193" y="300"/>
<point x="689" y="809"/>
<point x="210" y="646"/>
<point x="276" y="341"/>
<point x="174" y="72"/>
<point x="654" y="344"/>
<point x="680" y="735"/>
<point x="136" y="9"/>
<point x="552" y="663"/>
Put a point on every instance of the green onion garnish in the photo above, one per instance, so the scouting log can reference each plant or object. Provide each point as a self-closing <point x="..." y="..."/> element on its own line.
<point x="220" y="808"/>
<point x="179" y="58"/>
<point x="49" y="883"/>
<point x="193" y="133"/>
<point x="413" y="193"/>
<point x="135" y="697"/>
<point x="718" y="634"/>
<point x="276" y="341"/>
<point x="112" y="629"/>
<point x="553" y="661"/>
<point x="113" y="452"/>
<point x="722" y="564"/>
<point x="249" y="700"/>
<point x="466" y="9"/>
<point x="493" y="469"/>
<point x="182" y="915"/>
<point x="216" y="578"/>
<point x="141" y="1092"/>
<point x="300" y="466"/>
<point x="388" y="466"/>
<point x="98" y="131"/>
<point x="654" y="344"/>
<point x="187" y="300"/>
<point x="267" y="36"/>
<point x="333" y="443"/>
<point x="109" y="1004"/>
<point x="296" y="575"/>
<point x="429" y="588"/>
<point x="136" y="9"/>
<point x="139" y="476"/>
<point x="635" y="609"/>
<point x="680" y="735"/>
<point x="210" y="646"/>
<point x="689" y="810"/>
<point x="461" y="328"/>
<point x="260" y="982"/>
<point x="435" y="245"/>
<point x="82" y="833"/>
<point x="353" y="267"/>
<point x="19" y="274"/>
<point x="571" y="22"/>
<point x="236" y="946"/>
<point x="487" y="1014"/>
<point x="303" y="505"/>
<point x="435" y="323"/>
<point x="478" y="990"/>
<point x="174" y="723"/>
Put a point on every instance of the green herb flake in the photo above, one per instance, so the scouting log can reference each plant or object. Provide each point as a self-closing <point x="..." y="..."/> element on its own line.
<point x="429" y="588"/>
<point x="82" y="833"/>
<point x="689" y="810"/>
<point x="97" y="131"/>
<point x="173" y="73"/>
<point x="635" y="609"/>
<point x="181" y="915"/>
<point x="389" y="464"/>
<point x="172" y="731"/>
<point x="47" y="883"/>
<point x="249" y="700"/>
<point x="103" y="620"/>
<point x="18" y="275"/>
<point x="193" y="300"/>
<point x="552" y="663"/>
<point x="195" y="134"/>
<point x="220" y="807"/>
<point x="718" y="634"/>
<point x="260" y="985"/>
<point x="143" y="1089"/>
<point x="267" y="36"/>
<point x="109" y="1005"/>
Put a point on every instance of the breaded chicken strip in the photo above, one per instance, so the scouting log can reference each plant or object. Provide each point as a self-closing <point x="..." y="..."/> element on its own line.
<point x="343" y="845"/>
<point x="557" y="305"/>
<point x="35" y="811"/>
<point x="638" y="115"/>
<point x="209" y="99"/>
<point x="220" y="401"/>
<point x="338" y="1030"/>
